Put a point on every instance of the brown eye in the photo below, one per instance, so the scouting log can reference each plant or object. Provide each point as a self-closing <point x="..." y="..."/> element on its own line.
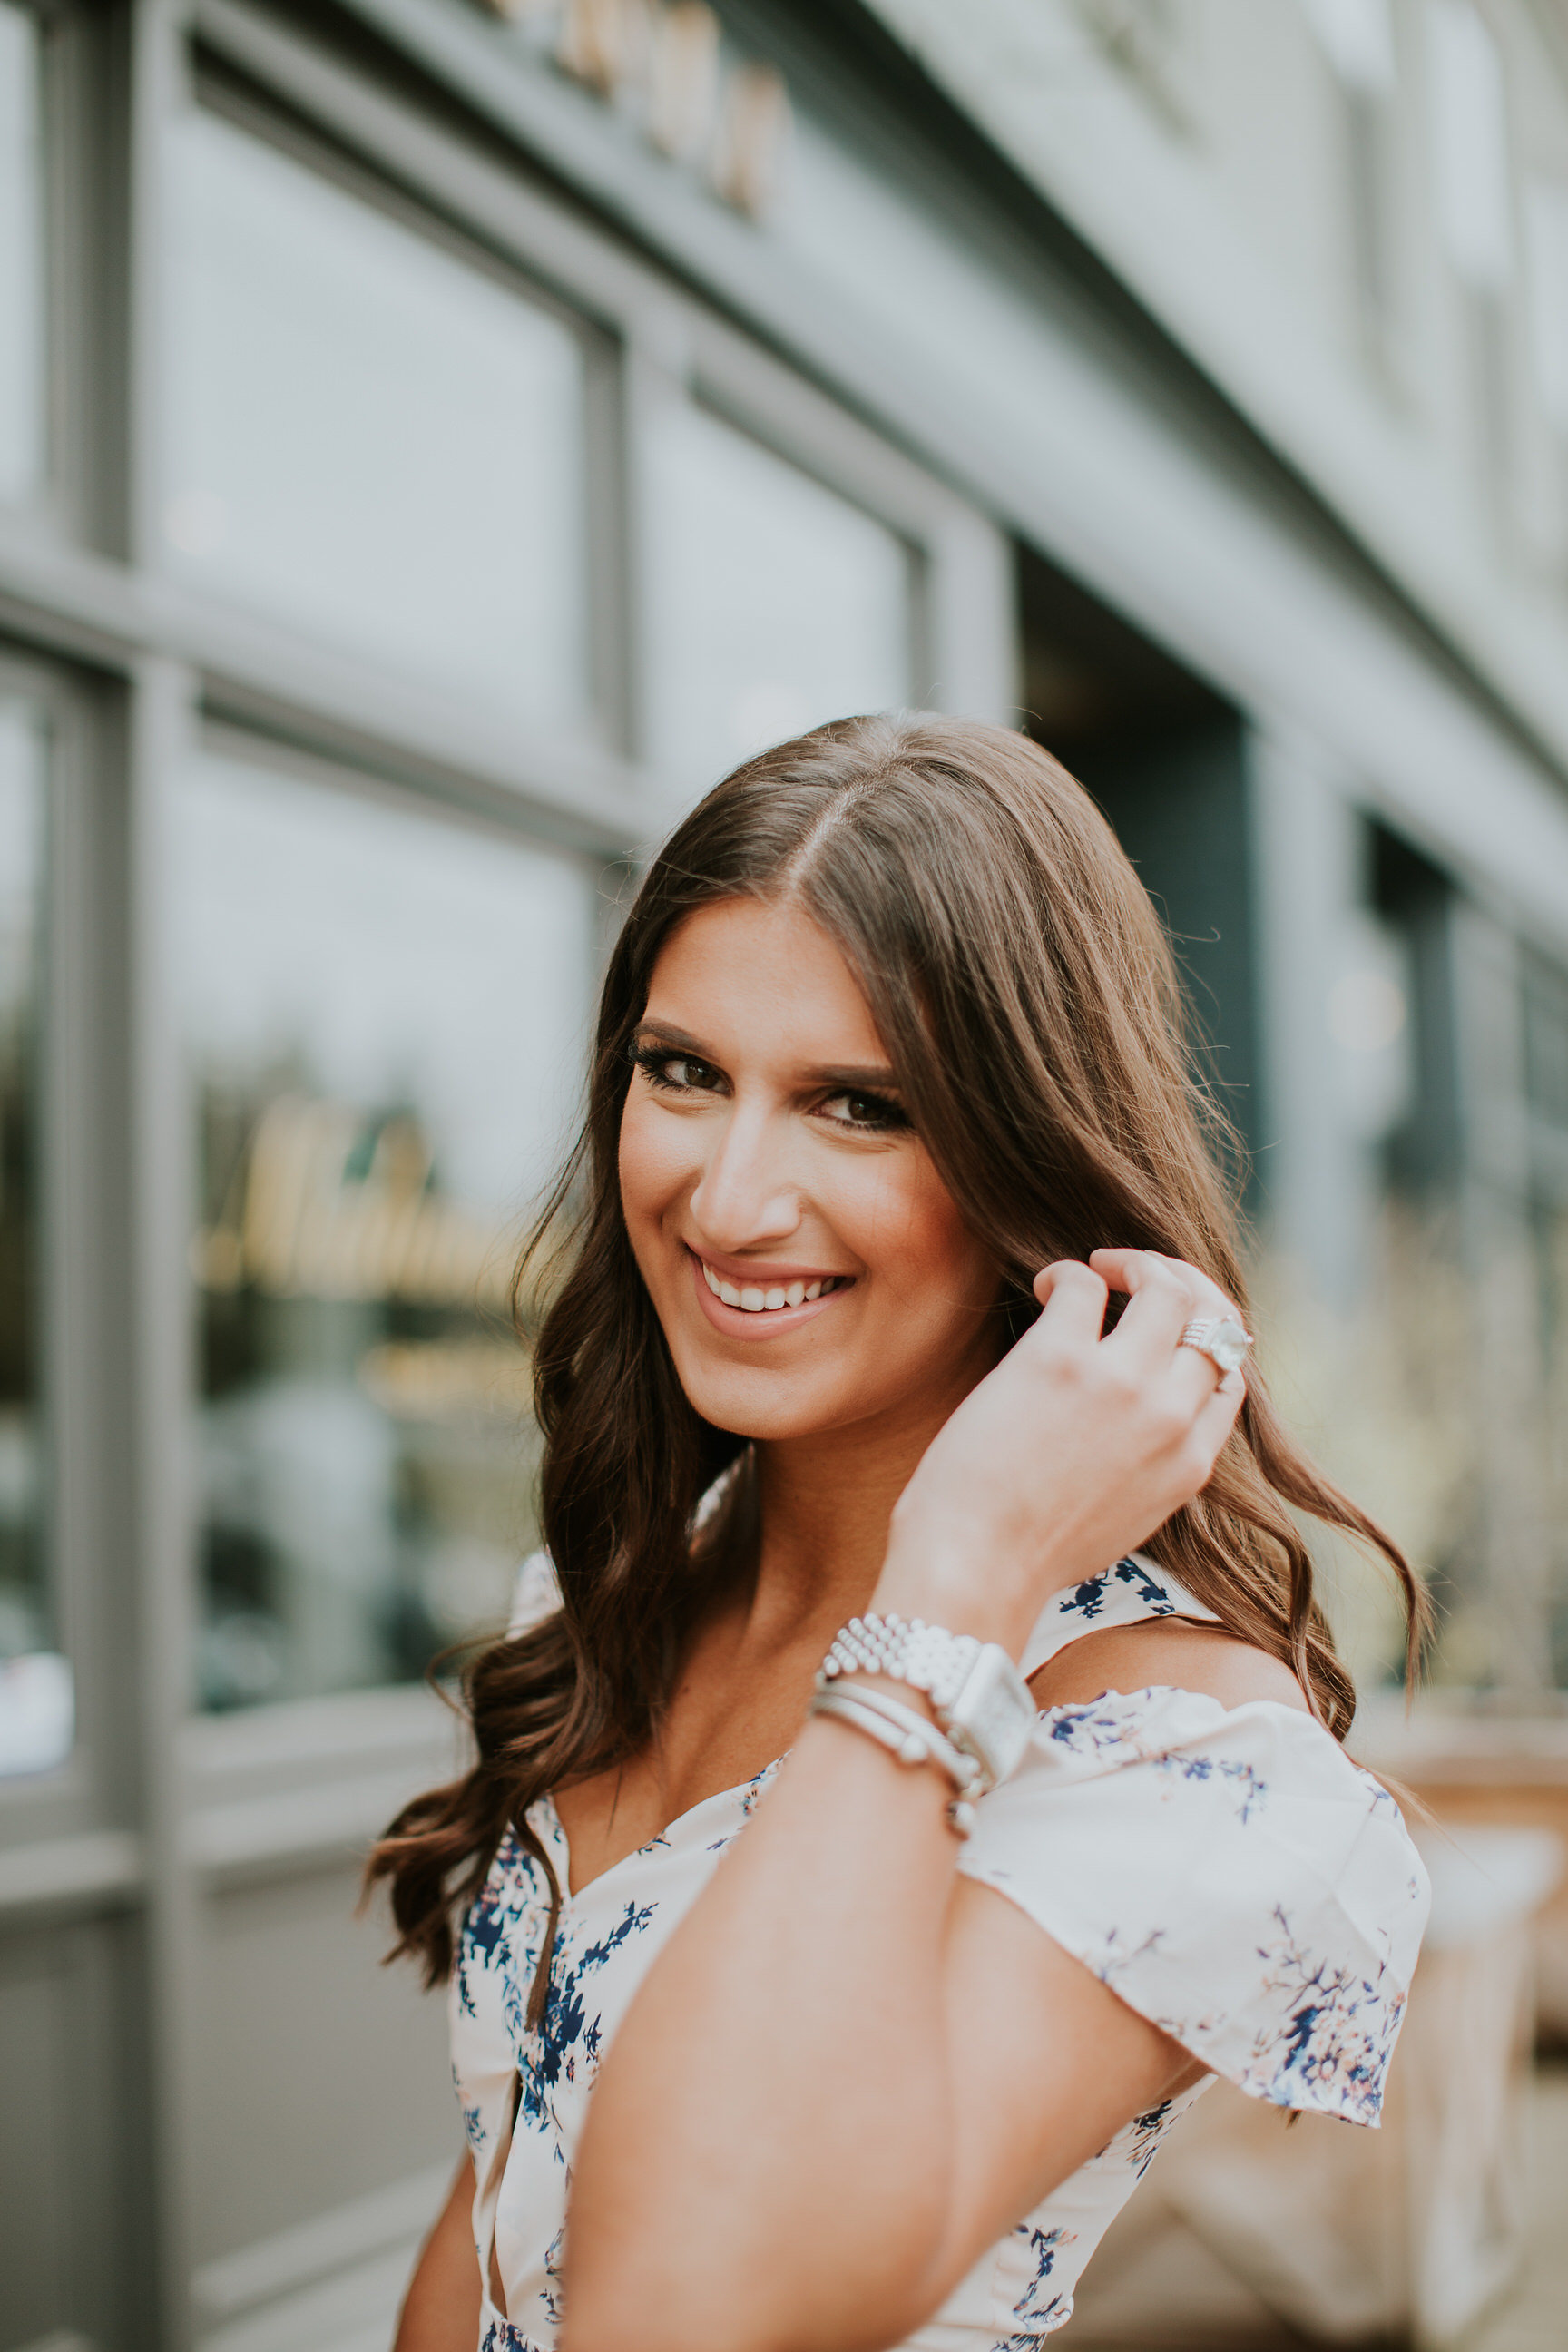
<point x="677" y="1074"/>
<point x="873" y="1113"/>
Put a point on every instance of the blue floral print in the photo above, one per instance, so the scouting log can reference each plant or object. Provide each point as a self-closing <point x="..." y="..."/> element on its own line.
<point x="1041" y="2248"/>
<point x="1088" y="1601"/>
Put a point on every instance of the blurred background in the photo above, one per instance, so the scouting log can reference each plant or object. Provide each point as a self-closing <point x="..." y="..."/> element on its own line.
<point x="436" y="439"/>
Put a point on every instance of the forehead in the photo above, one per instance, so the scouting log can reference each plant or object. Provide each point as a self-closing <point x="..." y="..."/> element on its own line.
<point x="762" y="977"/>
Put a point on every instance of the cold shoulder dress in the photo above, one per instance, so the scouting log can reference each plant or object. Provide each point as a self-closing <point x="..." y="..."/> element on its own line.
<point x="1228" y="1871"/>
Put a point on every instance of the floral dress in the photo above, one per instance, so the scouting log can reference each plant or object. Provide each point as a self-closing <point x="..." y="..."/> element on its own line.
<point x="1228" y="1871"/>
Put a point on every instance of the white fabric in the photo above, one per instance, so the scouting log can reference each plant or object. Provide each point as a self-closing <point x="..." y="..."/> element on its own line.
<point x="1228" y="1872"/>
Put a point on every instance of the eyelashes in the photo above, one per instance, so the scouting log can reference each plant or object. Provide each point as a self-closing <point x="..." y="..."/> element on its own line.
<point x="885" y="1117"/>
<point x="658" y="1066"/>
<point x="670" y="1072"/>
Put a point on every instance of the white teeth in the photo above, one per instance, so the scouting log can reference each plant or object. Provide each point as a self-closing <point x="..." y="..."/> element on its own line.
<point x="756" y="1300"/>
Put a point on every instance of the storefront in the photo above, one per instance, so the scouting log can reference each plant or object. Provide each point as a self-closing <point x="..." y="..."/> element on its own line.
<point x="435" y="442"/>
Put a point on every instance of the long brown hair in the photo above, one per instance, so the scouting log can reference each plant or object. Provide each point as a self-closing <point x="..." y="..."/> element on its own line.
<point x="1028" y="1000"/>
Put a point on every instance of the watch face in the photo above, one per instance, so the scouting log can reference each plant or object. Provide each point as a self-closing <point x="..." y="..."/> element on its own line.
<point x="994" y="1714"/>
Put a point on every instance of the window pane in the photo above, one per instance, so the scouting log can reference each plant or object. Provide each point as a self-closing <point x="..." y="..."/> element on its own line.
<point x="21" y="261"/>
<point x="370" y="439"/>
<point x="775" y="603"/>
<point x="35" y="1684"/>
<point x="384" y="1014"/>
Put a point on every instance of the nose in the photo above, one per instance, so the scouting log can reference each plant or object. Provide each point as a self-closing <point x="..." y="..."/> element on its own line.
<point x="746" y="1195"/>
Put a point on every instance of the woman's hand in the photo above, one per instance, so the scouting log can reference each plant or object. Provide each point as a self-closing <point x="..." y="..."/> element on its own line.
<point x="1067" y="1456"/>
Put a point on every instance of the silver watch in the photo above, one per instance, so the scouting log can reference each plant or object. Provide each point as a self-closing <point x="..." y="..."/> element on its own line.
<point x="977" y="1694"/>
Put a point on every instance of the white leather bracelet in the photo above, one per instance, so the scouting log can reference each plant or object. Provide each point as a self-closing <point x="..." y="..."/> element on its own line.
<point x="910" y="1739"/>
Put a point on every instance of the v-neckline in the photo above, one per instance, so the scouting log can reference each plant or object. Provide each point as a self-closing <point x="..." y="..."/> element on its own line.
<point x="664" y="1837"/>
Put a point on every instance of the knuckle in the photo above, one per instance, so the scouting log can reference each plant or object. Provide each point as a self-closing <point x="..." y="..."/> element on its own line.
<point x="1197" y="1463"/>
<point x="1172" y="1422"/>
<point x="1083" y="1278"/>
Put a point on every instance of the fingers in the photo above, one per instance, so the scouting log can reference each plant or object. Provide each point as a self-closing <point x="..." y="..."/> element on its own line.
<point x="1073" y="1299"/>
<point x="1164" y="1298"/>
<point x="1208" y="1296"/>
<point x="1164" y="1295"/>
<point x="1217" y="1417"/>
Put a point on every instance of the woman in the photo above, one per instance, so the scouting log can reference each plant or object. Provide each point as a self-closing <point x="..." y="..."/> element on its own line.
<point x="890" y="1106"/>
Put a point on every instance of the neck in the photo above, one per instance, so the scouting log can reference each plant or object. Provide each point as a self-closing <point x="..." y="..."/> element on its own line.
<point x="826" y="1503"/>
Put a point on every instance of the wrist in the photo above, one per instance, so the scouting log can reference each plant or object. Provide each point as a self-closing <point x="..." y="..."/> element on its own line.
<point x="961" y="1585"/>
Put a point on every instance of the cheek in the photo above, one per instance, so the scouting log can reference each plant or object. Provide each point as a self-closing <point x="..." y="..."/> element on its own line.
<point x="910" y="1236"/>
<point x="649" y="1162"/>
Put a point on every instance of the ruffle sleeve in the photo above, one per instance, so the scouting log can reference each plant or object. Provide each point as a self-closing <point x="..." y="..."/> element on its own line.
<point x="1230" y="1873"/>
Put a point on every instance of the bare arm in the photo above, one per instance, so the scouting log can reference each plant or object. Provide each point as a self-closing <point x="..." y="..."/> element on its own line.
<point x="441" y="2309"/>
<point x="851" y="2070"/>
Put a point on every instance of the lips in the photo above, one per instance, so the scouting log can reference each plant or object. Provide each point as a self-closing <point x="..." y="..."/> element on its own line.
<point x="754" y="1303"/>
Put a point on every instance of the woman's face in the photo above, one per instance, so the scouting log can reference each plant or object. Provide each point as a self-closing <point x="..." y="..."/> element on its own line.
<point x="809" y="1269"/>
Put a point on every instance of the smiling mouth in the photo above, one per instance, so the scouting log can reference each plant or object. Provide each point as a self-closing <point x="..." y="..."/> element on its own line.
<point x="765" y="1299"/>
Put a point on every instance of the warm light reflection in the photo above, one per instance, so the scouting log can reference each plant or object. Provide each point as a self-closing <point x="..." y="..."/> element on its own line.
<point x="301" y="1221"/>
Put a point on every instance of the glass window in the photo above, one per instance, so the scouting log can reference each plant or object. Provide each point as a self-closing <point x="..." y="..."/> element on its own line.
<point x="775" y="603"/>
<point x="369" y="437"/>
<point x="35" y="1682"/>
<point x="384" y="1011"/>
<point x="21" y="261"/>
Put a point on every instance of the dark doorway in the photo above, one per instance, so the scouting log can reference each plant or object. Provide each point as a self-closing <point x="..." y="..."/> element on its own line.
<point x="1164" y="756"/>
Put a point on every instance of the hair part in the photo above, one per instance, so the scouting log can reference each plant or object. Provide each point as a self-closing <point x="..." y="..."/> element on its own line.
<point x="1027" y="999"/>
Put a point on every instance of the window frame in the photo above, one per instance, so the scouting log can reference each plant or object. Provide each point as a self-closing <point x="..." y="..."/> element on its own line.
<point x="80" y="1042"/>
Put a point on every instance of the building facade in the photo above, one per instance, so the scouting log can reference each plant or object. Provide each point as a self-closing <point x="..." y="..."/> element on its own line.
<point x="436" y="439"/>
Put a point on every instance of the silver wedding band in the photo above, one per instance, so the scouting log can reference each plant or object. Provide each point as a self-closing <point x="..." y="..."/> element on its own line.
<point x="1220" y="1338"/>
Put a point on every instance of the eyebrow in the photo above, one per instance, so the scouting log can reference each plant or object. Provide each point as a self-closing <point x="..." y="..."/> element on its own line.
<point x="872" y="1077"/>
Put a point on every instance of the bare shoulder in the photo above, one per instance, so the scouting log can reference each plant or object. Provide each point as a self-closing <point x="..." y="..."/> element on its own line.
<point x="1160" y="1652"/>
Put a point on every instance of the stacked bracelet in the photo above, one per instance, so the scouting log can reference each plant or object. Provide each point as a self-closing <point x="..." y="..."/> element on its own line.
<point x="977" y="1694"/>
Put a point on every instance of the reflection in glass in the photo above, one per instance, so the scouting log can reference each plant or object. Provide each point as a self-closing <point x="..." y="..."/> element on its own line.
<point x="775" y="603"/>
<point x="34" y="1687"/>
<point x="384" y="1014"/>
<point x="21" y="259"/>
<point x="369" y="437"/>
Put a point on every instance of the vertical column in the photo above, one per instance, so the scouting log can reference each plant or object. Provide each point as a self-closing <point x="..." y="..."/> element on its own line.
<point x="655" y="372"/>
<point x="156" y="1225"/>
<point x="1313" y="1163"/>
<point x="973" y="659"/>
<point x="1503" y="1276"/>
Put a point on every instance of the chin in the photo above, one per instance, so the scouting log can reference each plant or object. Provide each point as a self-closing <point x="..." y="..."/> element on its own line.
<point x="740" y="1407"/>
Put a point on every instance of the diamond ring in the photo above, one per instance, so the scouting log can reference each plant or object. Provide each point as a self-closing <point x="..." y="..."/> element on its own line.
<point x="1219" y="1338"/>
